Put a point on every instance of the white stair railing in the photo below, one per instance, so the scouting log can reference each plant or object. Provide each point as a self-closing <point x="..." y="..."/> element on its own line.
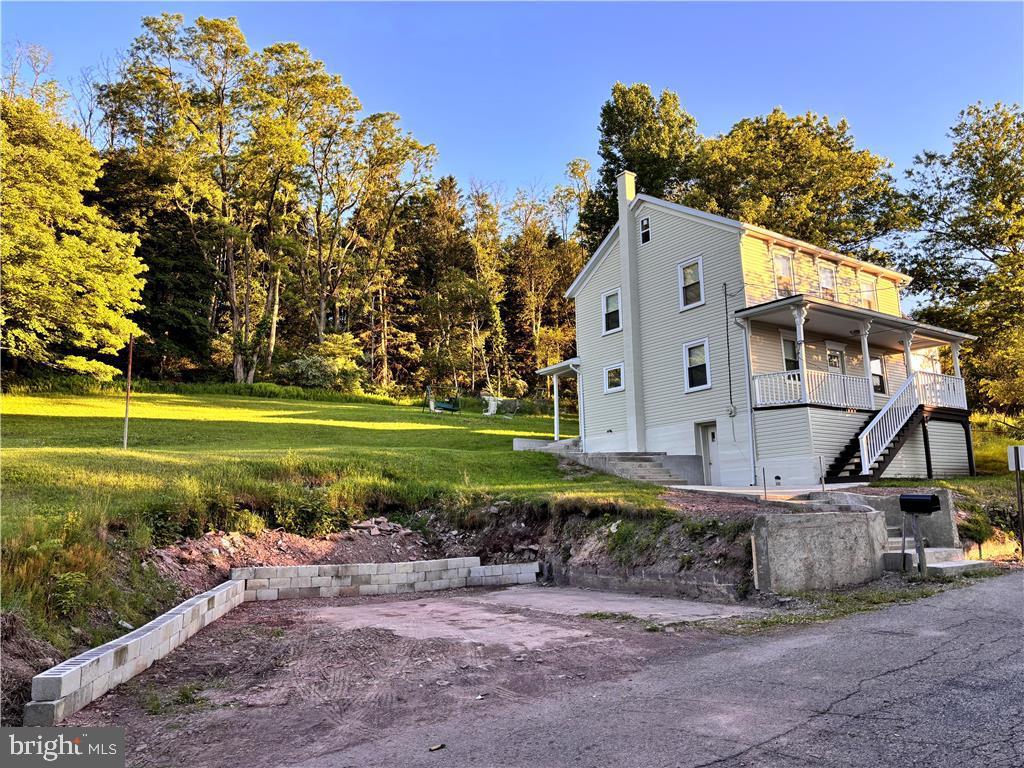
<point x="883" y="429"/>
<point x="940" y="390"/>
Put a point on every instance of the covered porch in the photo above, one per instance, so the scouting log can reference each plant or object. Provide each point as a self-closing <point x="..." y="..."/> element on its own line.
<point x="566" y="368"/>
<point x="810" y="351"/>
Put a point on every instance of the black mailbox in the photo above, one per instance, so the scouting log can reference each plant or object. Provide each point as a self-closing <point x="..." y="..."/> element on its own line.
<point x="919" y="503"/>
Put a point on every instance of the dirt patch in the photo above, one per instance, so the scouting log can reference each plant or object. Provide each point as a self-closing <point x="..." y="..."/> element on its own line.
<point x="24" y="656"/>
<point x="275" y="683"/>
<point x="705" y="506"/>
<point x="199" y="564"/>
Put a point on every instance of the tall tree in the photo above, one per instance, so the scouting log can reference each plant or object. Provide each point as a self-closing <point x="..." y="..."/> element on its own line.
<point x="489" y="337"/>
<point x="802" y="176"/>
<point x="653" y="137"/>
<point x="70" y="278"/>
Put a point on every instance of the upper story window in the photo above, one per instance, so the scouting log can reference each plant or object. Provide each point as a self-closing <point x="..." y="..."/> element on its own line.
<point x="827" y="281"/>
<point x="868" y="293"/>
<point x="613" y="378"/>
<point x="645" y="230"/>
<point x="612" y="317"/>
<point x="691" y="283"/>
<point x="790" y="360"/>
<point x="698" y="368"/>
<point x="784" y="284"/>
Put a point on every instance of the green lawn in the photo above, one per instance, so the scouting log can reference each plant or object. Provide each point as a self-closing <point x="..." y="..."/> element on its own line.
<point x="62" y="453"/>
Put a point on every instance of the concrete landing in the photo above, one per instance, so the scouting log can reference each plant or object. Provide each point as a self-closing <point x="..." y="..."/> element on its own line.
<point x="572" y="601"/>
<point x="957" y="567"/>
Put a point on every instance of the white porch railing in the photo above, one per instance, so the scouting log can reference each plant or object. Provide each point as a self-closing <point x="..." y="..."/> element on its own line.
<point x="833" y="389"/>
<point x="921" y="388"/>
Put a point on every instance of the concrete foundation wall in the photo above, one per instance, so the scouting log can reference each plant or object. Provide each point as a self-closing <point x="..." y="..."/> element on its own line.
<point x="817" y="550"/>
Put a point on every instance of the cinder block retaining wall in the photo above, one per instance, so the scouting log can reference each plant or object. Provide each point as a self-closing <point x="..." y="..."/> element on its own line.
<point x="295" y="581"/>
<point x="64" y="689"/>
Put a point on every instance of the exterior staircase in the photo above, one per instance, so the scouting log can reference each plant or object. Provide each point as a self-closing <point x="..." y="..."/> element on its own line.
<point x="644" y="467"/>
<point x="942" y="561"/>
<point x="847" y="466"/>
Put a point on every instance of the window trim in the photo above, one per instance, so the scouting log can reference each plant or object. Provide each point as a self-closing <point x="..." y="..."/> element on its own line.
<point x="686" y="364"/>
<point x="622" y="378"/>
<point x="785" y="336"/>
<point x="833" y="268"/>
<point x="699" y="260"/>
<point x="604" y="312"/>
<point x="792" y="273"/>
<point x="645" y="229"/>
<point x="885" y="373"/>
<point x="862" y="294"/>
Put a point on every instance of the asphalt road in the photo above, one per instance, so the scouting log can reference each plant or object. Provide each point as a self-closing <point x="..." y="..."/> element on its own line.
<point x="939" y="682"/>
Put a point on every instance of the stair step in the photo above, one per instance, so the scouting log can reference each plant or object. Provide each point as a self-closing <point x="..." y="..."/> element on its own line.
<point x="957" y="567"/>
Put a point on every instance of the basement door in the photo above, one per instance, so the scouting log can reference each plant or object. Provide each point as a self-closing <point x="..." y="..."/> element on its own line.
<point x="709" y="452"/>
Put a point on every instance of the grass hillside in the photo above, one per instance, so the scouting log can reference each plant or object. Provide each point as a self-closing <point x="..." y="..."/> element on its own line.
<point x="77" y="509"/>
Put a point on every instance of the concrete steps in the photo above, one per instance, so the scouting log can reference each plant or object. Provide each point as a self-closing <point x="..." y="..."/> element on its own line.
<point x="956" y="567"/>
<point x="642" y="467"/>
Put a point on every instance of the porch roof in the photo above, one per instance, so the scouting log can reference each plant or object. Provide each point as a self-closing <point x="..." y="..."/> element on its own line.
<point x="564" y="368"/>
<point x="842" y="320"/>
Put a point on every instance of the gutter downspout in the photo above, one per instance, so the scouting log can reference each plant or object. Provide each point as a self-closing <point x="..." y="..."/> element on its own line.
<point x="745" y="325"/>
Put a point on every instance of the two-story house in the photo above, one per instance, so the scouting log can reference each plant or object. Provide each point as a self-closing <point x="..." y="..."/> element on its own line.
<point x="752" y="357"/>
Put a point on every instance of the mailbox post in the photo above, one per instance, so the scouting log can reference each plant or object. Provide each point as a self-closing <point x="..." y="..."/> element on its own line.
<point x="915" y="505"/>
<point x="1015" y="454"/>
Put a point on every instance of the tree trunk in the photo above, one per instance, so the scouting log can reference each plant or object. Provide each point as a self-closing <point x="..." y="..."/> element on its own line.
<point x="273" y="319"/>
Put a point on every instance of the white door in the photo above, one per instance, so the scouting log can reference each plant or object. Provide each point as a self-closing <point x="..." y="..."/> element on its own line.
<point x="709" y="450"/>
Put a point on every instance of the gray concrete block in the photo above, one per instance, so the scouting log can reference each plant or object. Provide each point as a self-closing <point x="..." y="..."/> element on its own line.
<point x="280" y="582"/>
<point x="320" y="581"/>
<point x="265" y="573"/>
<point x="43" y="713"/>
<point x="527" y="578"/>
<point x="406" y="567"/>
<point x="56" y="682"/>
<point x="387" y="589"/>
<point x="266" y="594"/>
<point x="433" y="575"/>
<point x="422" y="566"/>
<point x="327" y="570"/>
<point x="341" y="581"/>
<point x="250" y="595"/>
<point x="385" y="568"/>
<point x="243" y="573"/>
<point x="369" y="589"/>
<point x="422" y="586"/>
<point x="366" y="569"/>
<point x="291" y="593"/>
<point x="257" y="583"/>
<point x="402" y="588"/>
<point x="348" y="569"/>
<point x="299" y="582"/>
<point x="361" y="579"/>
<point x="379" y="578"/>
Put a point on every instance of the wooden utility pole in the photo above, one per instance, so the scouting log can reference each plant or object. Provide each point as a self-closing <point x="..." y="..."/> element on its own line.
<point x="128" y="390"/>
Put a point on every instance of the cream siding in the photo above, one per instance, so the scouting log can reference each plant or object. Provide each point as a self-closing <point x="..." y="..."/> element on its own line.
<point x="832" y="430"/>
<point x="604" y="413"/>
<point x="948" y="448"/>
<point x="782" y="432"/>
<point x="671" y="413"/>
<point x="759" y="276"/>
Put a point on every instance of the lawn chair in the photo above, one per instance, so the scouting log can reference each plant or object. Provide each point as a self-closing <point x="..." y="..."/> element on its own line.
<point x="451" y="405"/>
<point x="492" y="404"/>
<point x="511" y="408"/>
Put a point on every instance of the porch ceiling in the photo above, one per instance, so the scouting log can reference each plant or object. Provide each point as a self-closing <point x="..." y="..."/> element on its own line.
<point x="839" y="322"/>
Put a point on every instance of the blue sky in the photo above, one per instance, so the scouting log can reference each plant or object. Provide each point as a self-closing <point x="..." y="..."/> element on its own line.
<point x="510" y="92"/>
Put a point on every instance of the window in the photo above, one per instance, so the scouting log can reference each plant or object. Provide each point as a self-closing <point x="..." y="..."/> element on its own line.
<point x="790" y="360"/>
<point x="868" y="294"/>
<point x="878" y="375"/>
<point x="613" y="378"/>
<point x="784" y="285"/>
<point x="827" y="281"/>
<point x="691" y="283"/>
<point x="836" y="361"/>
<point x="698" y="370"/>
<point x="612" y="316"/>
<point x="645" y="230"/>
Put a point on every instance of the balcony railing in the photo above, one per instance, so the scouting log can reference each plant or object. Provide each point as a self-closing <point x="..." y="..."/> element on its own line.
<point x="834" y="389"/>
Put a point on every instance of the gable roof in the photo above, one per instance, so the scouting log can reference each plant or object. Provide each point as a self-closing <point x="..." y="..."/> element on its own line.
<point x="725" y="223"/>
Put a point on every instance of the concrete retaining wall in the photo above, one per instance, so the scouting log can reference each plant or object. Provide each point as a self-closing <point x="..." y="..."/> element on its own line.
<point x="64" y="689"/>
<point x="939" y="528"/>
<point x="817" y="550"/>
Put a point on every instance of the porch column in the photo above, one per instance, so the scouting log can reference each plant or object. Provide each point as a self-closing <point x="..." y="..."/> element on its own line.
<point x="956" y="358"/>
<point x="799" y="316"/>
<point x="558" y="430"/>
<point x="865" y="354"/>
<point x="908" y="361"/>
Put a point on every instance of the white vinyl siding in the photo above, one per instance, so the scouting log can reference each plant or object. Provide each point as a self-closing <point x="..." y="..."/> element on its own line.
<point x="782" y="432"/>
<point x="948" y="447"/>
<point x="605" y="416"/>
<point x="671" y="412"/>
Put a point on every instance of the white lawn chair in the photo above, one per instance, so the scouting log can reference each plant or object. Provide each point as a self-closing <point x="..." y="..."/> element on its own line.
<point x="492" y="405"/>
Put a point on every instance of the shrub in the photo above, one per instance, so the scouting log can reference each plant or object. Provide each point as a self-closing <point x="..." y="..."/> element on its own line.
<point x="331" y="364"/>
<point x="68" y="594"/>
<point x="976" y="527"/>
<point x="308" y="512"/>
<point x="245" y="521"/>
